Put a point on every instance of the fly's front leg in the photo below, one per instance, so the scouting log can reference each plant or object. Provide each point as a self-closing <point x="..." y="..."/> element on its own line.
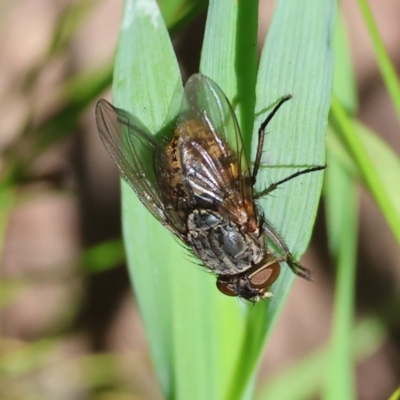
<point x="260" y="146"/>
<point x="273" y="186"/>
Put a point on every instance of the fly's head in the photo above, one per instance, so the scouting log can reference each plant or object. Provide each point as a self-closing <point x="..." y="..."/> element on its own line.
<point x="252" y="285"/>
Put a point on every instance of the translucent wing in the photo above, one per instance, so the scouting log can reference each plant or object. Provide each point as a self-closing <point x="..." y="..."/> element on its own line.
<point x="133" y="150"/>
<point x="212" y="154"/>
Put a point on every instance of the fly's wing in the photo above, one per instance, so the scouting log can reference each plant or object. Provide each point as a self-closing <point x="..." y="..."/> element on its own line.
<point x="133" y="150"/>
<point x="216" y="168"/>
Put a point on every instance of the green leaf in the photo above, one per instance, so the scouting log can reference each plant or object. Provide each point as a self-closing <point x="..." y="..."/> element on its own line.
<point x="386" y="163"/>
<point x="69" y="21"/>
<point x="344" y="81"/>
<point x="177" y="13"/>
<point x="6" y="203"/>
<point x="296" y="60"/>
<point x="355" y="139"/>
<point x="341" y="209"/>
<point x="388" y="70"/>
<point x="395" y="395"/>
<point x="230" y="38"/>
<point x="146" y="75"/>
<point x="342" y="224"/>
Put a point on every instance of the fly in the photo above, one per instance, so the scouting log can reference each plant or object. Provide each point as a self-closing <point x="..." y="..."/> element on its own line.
<point x="197" y="182"/>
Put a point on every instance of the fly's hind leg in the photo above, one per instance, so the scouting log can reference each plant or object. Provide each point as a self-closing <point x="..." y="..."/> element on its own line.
<point x="287" y="256"/>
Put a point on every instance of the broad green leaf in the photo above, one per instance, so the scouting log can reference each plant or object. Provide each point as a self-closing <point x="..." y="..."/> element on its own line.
<point x="296" y="60"/>
<point x="191" y="326"/>
<point x="146" y="76"/>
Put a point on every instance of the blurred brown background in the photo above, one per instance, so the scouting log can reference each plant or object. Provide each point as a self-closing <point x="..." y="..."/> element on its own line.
<point x="68" y="200"/>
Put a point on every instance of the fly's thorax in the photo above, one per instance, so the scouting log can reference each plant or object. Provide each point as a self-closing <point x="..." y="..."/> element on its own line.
<point x="243" y="213"/>
<point x="173" y="163"/>
<point x="199" y="133"/>
<point x="221" y="244"/>
<point x="168" y="162"/>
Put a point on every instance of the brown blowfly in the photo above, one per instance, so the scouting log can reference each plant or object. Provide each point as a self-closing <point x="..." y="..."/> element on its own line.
<point x="197" y="182"/>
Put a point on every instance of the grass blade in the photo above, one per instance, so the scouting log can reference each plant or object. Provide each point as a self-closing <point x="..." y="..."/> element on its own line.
<point x="193" y="330"/>
<point x="299" y="61"/>
<point x="141" y="72"/>
<point x="341" y="214"/>
<point x="388" y="71"/>
<point x="368" y="168"/>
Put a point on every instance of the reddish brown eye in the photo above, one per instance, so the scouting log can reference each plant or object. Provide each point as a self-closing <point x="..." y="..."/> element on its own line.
<point x="225" y="288"/>
<point x="264" y="278"/>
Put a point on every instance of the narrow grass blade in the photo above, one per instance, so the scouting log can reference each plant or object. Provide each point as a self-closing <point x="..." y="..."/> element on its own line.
<point x="344" y="81"/>
<point x="377" y="165"/>
<point x="388" y="70"/>
<point x="70" y="20"/>
<point x="7" y="197"/>
<point x="367" y="165"/>
<point x="342" y="224"/>
<point x="395" y="395"/>
<point x="341" y="208"/>
<point x="384" y="161"/>
<point x="296" y="60"/>
<point x="387" y="168"/>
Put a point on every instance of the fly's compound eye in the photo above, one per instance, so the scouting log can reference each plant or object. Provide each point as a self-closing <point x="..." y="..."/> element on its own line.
<point x="264" y="278"/>
<point x="226" y="288"/>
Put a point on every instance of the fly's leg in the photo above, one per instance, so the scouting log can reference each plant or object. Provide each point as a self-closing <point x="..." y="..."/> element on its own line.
<point x="267" y="229"/>
<point x="271" y="233"/>
<point x="273" y="186"/>
<point x="261" y="135"/>
<point x="260" y="146"/>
